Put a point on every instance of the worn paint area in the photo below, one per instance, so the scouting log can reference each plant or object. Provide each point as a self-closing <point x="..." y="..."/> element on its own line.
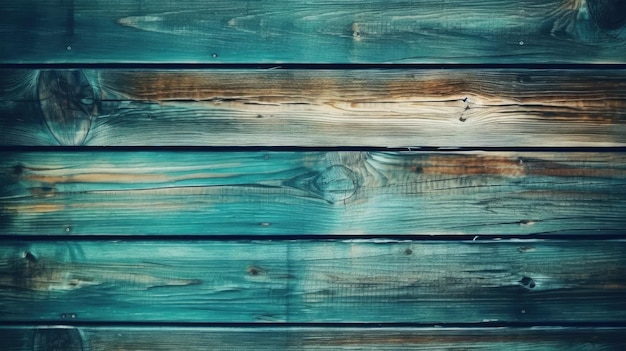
<point x="26" y="271"/>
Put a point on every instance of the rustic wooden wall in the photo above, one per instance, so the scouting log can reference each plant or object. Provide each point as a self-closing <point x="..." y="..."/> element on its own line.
<point x="383" y="175"/>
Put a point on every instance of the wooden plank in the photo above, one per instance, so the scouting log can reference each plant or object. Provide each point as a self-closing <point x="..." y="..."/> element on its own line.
<point x="287" y="193"/>
<point x="309" y="338"/>
<point x="276" y="193"/>
<point x="508" y="281"/>
<point x="387" y="108"/>
<point x="424" y="31"/>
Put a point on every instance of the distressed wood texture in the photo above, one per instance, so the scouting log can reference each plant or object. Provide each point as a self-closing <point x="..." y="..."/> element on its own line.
<point x="387" y="108"/>
<point x="336" y="31"/>
<point x="506" y="281"/>
<point x="199" y="192"/>
<point x="309" y="338"/>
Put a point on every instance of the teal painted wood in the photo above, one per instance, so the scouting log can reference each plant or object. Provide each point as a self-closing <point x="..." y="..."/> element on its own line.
<point x="309" y="338"/>
<point x="245" y="107"/>
<point x="314" y="281"/>
<point x="66" y="283"/>
<point x="292" y="193"/>
<point x="423" y="31"/>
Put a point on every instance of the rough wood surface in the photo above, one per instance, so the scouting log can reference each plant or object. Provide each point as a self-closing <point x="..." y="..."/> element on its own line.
<point x="337" y="31"/>
<point x="155" y="292"/>
<point x="314" y="281"/>
<point x="294" y="107"/>
<point x="291" y="193"/>
<point x="308" y="338"/>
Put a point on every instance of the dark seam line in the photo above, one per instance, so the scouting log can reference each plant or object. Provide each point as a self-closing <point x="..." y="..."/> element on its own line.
<point x="151" y="324"/>
<point x="52" y="148"/>
<point x="315" y="66"/>
<point x="464" y="238"/>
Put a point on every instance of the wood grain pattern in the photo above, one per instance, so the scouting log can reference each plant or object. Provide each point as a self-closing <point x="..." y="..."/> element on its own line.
<point x="424" y="31"/>
<point x="310" y="338"/>
<point x="387" y="108"/>
<point x="314" y="281"/>
<point x="193" y="192"/>
<point x="283" y="290"/>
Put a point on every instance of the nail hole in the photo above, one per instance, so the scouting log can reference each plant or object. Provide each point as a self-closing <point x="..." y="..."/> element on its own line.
<point x="254" y="271"/>
<point x="528" y="282"/>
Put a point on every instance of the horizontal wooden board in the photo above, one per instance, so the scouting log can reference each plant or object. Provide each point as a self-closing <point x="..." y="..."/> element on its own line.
<point x="291" y="193"/>
<point x="337" y="31"/>
<point x="507" y="281"/>
<point x="309" y="338"/>
<point x="295" y="107"/>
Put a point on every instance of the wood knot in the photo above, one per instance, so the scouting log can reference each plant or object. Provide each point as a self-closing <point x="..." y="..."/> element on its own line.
<point x="49" y="339"/>
<point x="68" y="103"/>
<point x="336" y="183"/>
<point x="607" y="14"/>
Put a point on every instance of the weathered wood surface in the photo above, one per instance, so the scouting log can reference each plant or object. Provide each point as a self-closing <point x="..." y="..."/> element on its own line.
<point x="314" y="281"/>
<point x="294" y="107"/>
<point x="337" y="31"/>
<point x="291" y="193"/>
<point x="308" y="338"/>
